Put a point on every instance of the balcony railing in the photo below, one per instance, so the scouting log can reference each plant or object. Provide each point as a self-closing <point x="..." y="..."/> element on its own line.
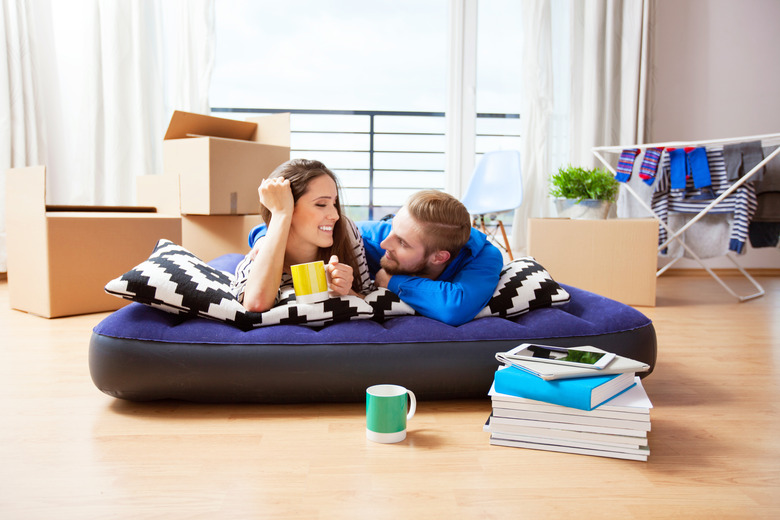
<point x="382" y="157"/>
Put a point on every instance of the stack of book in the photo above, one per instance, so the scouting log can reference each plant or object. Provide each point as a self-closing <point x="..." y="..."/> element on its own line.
<point x="599" y="415"/>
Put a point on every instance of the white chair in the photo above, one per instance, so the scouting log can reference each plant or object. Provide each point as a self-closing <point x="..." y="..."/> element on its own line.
<point x="495" y="187"/>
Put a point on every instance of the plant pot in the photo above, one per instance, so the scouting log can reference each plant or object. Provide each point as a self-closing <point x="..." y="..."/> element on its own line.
<point x="588" y="209"/>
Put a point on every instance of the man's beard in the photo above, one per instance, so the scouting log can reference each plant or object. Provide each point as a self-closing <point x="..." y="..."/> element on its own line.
<point x="392" y="267"/>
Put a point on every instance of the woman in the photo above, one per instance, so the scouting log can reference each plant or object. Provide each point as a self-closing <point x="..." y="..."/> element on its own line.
<point x="299" y="203"/>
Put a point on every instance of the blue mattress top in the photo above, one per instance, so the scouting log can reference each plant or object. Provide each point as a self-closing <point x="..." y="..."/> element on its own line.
<point x="587" y="314"/>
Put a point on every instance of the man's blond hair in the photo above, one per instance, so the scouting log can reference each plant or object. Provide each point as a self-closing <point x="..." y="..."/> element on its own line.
<point x="443" y="219"/>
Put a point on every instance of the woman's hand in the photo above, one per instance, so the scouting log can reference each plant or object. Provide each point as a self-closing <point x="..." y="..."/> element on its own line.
<point x="276" y="195"/>
<point x="268" y="253"/>
<point x="339" y="277"/>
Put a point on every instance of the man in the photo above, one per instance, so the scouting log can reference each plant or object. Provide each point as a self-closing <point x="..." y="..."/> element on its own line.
<point x="431" y="257"/>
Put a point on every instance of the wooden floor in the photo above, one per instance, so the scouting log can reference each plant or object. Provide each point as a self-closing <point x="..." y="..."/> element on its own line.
<point x="69" y="451"/>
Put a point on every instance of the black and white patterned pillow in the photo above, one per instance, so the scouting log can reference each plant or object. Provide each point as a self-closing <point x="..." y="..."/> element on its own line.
<point x="288" y="311"/>
<point x="524" y="285"/>
<point x="386" y="304"/>
<point x="176" y="281"/>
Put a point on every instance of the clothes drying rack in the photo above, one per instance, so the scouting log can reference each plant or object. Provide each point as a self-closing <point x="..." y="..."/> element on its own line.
<point x="676" y="235"/>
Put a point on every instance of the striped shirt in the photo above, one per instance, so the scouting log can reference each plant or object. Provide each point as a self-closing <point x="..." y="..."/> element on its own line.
<point x="238" y="286"/>
<point x="741" y="203"/>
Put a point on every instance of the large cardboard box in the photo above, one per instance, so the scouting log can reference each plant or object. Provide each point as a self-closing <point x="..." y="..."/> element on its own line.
<point x="616" y="258"/>
<point x="160" y="192"/>
<point x="210" y="236"/>
<point x="220" y="162"/>
<point x="61" y="257"/>
<point x="205" y="236"/>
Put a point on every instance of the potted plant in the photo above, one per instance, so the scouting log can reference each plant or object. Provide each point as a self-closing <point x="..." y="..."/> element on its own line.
<point x="583" y="193"/>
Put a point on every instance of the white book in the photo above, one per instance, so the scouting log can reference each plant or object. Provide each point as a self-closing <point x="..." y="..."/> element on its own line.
<point x="514" y="426"/>
<point x="497" y="422"/>
<point x="519" y="403"/>
<point x="565" y="436"/>
<point x="573" y="443"/>
<point x="572" y="419"/>
<point x="641" y="455"/>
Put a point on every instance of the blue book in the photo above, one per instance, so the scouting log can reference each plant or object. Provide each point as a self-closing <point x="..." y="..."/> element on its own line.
<point x="583" y="393"/>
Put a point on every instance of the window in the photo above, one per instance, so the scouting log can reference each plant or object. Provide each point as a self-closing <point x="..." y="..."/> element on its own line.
<point x="331" y="54"/>
<point x="367" y="86"/>
<point x="351" y="70"/>
<point x="499" y="80"/>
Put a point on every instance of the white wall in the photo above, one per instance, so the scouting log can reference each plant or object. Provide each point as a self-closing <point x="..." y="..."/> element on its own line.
<point x="716" y="74"/>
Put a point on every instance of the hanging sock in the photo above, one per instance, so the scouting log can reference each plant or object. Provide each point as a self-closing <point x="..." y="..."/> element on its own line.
<point x="699" y="169"/>
<point x="741" y="158"/>
<point x="752" y="154"/>
<point x="677" y="168"/>
<point x="650" y="165"/>
<point x="626" y="164"/>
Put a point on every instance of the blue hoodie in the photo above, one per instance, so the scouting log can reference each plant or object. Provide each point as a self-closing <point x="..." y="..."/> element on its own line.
<point x="459" y="293"/>
<point x="456" y="296"/>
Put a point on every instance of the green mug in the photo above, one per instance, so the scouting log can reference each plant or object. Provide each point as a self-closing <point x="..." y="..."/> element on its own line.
<point x="386" y="412"/>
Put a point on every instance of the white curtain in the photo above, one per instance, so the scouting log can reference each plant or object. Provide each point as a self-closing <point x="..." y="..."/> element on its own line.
<point x="598" y="85"/>
<point x="545" y="64"/>
<point x="536" y="115"/>
<point x="609" y="81"/>
<point x="609" y="64"/>
<point x="189" y="54"/>
<point x="110" y="72"/>
<point x="608" y="75"/>
<point x="20" y="113"/>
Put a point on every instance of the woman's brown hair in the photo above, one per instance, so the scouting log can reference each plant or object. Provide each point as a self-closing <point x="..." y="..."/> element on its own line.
<point x="300" y="172"/>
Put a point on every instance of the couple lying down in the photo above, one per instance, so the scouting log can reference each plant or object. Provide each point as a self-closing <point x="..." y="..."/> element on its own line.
<point x="428" y="254"/>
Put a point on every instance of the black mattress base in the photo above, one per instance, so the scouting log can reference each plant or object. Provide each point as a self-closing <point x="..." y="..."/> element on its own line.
<point x="141" y="370"/>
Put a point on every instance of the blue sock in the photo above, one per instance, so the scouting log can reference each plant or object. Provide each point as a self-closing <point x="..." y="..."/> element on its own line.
<point x="699" y="168"/>
<point x="677" y="168"/>
<point x="626" y="164"/>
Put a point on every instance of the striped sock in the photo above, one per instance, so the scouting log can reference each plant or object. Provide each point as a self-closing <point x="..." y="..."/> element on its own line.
<point x="650" y="165"/>
<point x="626" y="164"/>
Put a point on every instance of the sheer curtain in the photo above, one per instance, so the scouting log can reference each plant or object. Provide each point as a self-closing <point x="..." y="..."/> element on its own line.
<point x="609" y="66"/>
<point x="20" y="112"/>
<point x="609" y="80"/>
<point x="545" y="95"/>
<point x="536" y="114"/>
<point x="598" y="86"/>
<point x="109" y="73"/>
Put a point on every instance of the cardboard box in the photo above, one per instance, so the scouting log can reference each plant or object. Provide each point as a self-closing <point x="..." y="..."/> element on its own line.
<point x="160" y="192"/>
<point x="616" y="258"/>
<point x="61" y="257"/>
<point x="210" y="236"/>
<point x="205" y="236"/>
<point x="220" y="162"/>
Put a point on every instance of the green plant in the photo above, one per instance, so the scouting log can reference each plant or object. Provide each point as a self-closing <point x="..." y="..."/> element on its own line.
<point x="578" y="183"/>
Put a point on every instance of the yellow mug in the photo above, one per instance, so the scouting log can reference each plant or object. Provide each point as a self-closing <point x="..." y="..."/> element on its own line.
<point x="309" y="281"/>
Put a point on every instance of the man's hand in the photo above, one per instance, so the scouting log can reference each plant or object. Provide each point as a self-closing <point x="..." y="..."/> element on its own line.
<point x="382" y="278"/>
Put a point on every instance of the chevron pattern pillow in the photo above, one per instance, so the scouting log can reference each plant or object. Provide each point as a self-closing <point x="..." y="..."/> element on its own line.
<point x="524" y="285"/>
